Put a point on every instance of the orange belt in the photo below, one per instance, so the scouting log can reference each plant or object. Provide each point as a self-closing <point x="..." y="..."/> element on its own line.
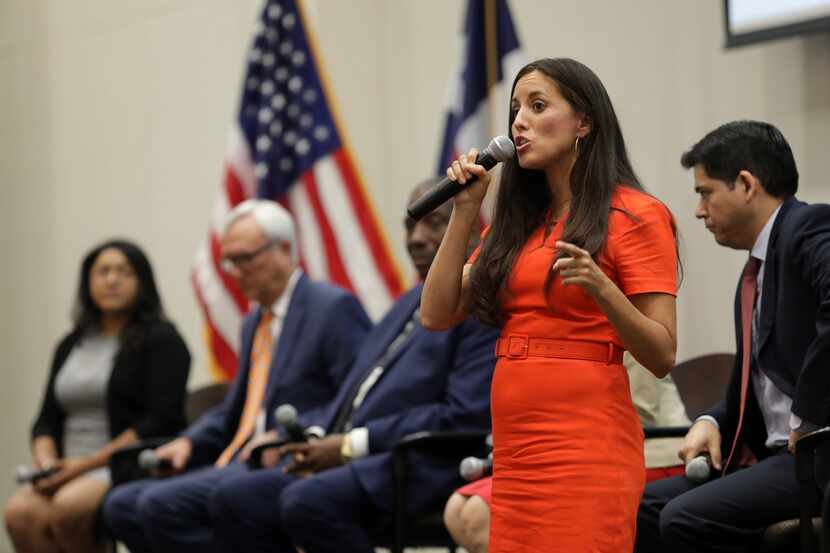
<point x="517" y="346"/>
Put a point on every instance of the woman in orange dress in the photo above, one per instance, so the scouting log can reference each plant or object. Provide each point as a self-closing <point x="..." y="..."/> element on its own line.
<point x="578" y="265"/>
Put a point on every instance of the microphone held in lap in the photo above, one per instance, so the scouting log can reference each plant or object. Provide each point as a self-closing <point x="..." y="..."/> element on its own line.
<point x="699" y="469"/>
<point x="25" y="474"/>
<point x="473" y="468"/>
<point x="148" y="460"/>
<point x="286" y="416"/>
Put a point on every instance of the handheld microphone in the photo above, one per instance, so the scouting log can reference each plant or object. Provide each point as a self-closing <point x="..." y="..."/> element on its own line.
<point x="699" y="469"/>
<point x="148" y="460"/>
<point x="286" y="416"/>
<point x="499" y="149"/>
<point x="473" y="468"/>
<point x="24" y="474"/>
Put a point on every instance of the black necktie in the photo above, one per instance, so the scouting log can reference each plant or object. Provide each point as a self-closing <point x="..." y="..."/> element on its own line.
<point x="342" y="423"/>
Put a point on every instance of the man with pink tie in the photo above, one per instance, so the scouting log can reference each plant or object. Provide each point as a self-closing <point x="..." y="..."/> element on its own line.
<point x="746" y="178"/>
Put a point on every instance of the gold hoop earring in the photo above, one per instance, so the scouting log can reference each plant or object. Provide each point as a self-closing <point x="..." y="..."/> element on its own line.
<point x="576" y="146"/>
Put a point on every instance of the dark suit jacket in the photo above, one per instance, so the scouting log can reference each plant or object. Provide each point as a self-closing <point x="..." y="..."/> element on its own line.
<point x="435" y="381"/>
<point x="146" y="389"/>
<point x="794" y="329"/>
<point x="322" y="331"/>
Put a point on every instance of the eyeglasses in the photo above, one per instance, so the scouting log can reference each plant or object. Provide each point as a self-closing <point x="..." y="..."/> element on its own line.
<point x="241" y="260"/>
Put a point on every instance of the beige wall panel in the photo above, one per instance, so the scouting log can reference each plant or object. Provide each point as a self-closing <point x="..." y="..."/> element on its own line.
<point x="115" y="117"/>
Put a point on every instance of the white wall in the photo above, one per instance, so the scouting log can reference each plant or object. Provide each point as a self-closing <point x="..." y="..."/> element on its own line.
<point x="114" y="117"/>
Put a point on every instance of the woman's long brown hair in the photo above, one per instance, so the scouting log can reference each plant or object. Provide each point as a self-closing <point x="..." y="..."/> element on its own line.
<point x="524" y="197"/>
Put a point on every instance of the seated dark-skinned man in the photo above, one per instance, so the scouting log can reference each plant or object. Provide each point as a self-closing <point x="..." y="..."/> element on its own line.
<point x="328" y="494"/>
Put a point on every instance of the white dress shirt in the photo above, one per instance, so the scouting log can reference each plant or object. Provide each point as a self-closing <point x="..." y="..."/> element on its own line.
<point x="278" y="310"/>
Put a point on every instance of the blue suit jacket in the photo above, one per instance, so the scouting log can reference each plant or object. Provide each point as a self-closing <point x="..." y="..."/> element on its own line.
<point x="322" y="331"/>
<point x="435" y="381"/>
<point x="794" y="329"/>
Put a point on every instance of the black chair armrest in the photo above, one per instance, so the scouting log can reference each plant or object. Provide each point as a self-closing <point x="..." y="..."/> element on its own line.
<point x="255" y="460"/>
<point x="825" y="522"/>
<point x="656" y="432"/>
<point x="446" y="445"/>
<point x="812" y="479"/>
<point x="810" y="442"/>
<point x="807" y="449"/>
<point x="123" y="463"/>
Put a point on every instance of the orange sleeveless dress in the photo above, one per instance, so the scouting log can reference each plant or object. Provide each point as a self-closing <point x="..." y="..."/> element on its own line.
<point x="568" y="447"/>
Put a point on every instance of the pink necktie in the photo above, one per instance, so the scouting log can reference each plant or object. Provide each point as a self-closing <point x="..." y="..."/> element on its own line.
<point x="749" y="290"/>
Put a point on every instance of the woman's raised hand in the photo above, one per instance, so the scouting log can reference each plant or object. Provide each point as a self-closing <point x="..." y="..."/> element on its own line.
<point x="462" y="170"/>
<point x="580" y="269"/>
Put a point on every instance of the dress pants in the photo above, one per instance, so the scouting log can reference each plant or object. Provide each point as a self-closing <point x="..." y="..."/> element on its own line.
<point x="726" y="514"/>
<point x="267" y="510"/>
<point x="170" y="514"/>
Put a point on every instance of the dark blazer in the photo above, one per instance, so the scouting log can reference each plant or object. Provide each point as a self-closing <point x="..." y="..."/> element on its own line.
<point x="146" y="389"/>
<point x="322" y="331"/>
<point x="794" y="329"/>
<point x="435" y="381"/>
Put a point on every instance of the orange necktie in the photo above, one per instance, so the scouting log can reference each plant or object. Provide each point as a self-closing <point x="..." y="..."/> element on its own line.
<point x="257" y="379"/>
<point x="749" y="289"/>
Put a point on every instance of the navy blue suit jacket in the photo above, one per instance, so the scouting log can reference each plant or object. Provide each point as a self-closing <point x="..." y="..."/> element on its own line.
<point x="321" y="334"/>
<point x="435" y="381"/>
<point x="794" y="328"/>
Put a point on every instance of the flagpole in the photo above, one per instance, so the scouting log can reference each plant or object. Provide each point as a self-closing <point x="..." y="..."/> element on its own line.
<point x="491" y="56"/>
<point x="491" y="53"/>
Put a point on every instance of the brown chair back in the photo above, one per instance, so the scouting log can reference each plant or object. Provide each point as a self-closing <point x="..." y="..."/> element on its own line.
<point x="200" y="400"/>
<point x="702" y="381"/>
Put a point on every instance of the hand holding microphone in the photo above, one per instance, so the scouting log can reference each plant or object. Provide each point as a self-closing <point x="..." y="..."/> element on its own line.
<point x="28" y="475"/>
<point x="699" y="469"/>
<point x="170" y="457"/>
<point x="48" y="478"/>
<point x="461" y="175"/>
<point x="286" y="417"/>
<point x="149" y="460"/>
<point x="701" y="451"/>
<point x="288" y="431"/>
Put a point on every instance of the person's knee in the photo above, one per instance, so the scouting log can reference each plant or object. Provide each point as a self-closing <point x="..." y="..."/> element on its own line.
<point x="118" y="507"/>
<point x="67" y="519"/>
<point x="223" y="503"/>
<point x="468" y="521"/>
<point x="475" y="517"/>
<point x="452" y="514"/>
<point x="153" y="509"/>
<point x="21" y="516"/>
<point x="297" y="511"/>
<point x="676" y="522"/>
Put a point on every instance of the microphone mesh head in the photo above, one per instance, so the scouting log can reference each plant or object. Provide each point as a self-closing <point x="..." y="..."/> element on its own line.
<point x="22" y="474"/>
<point x="147" y="459"/>
<point x="501" y="148"/>
<point x="471" y="468"/>
<point x="286" y="414"/>
<point x="698" y="470"/>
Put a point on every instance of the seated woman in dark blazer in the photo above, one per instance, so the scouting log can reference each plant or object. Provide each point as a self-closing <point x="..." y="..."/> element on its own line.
<point x="118" y="377"/>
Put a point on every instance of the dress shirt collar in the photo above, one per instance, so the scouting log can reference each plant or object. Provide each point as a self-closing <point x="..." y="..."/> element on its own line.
<point x="759" y="250"/>
<point x="280" y="307"/>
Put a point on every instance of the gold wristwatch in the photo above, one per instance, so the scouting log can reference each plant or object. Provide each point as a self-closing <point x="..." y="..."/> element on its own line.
<point x="346" y="453"/>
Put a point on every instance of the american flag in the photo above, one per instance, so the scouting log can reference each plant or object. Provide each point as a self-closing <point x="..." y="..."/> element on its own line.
<point x="287" y="146"/>
<point x="479" y="91"/>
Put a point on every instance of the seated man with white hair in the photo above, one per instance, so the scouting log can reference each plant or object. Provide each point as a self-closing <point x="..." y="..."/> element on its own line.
<point x="296" y="346"/>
